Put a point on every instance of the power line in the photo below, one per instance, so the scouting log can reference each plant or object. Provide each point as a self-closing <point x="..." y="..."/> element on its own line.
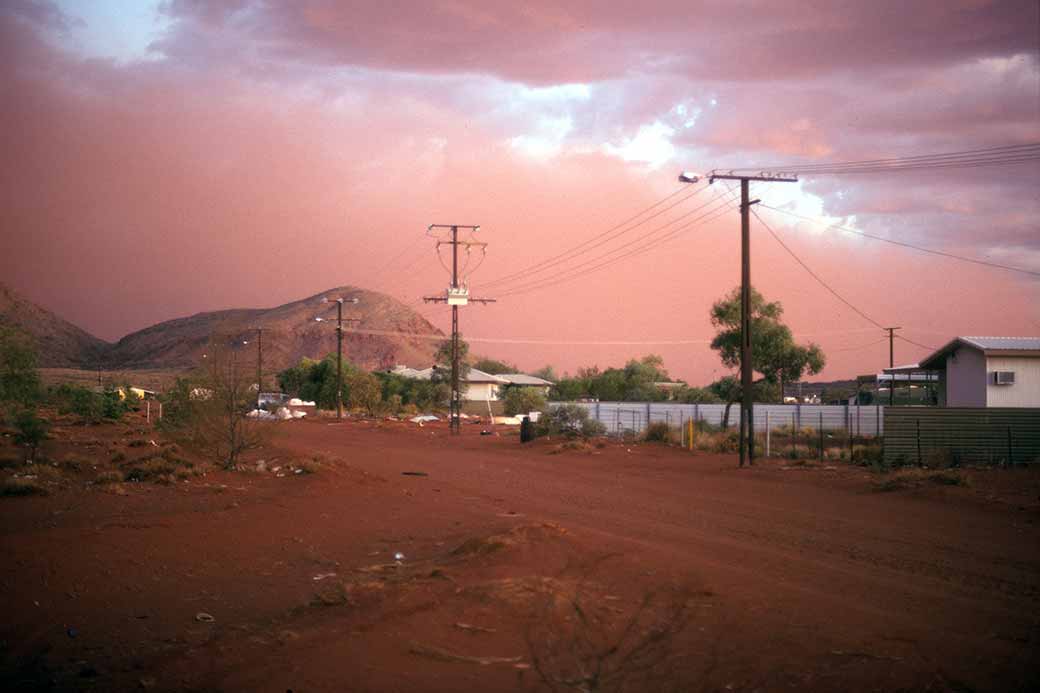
<point x="916" y="344"/>
<point x="565" y="275"/>
<point x="605" y="236"/>
<point x="813" y="274"/>
<point x="904" y="244"/>
<point x="863" y="346"/>
<point x="1005" y="154"/>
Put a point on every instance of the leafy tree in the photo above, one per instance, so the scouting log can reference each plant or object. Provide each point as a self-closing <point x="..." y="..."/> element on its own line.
<point x="442" y="359"/>
<point x="365" y="392"/>
<point x="521" y="400"/>
<point x="774" y="352"/>
<point x="546" y="373"/>
<point x="316" y="380"/>
<point x="698" y="395"/>
<point x="19" y="379"/>
<point x="491" y="365"/>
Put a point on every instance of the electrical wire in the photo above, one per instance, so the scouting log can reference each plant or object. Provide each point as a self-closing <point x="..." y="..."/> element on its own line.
<point x="598" y="240"/>
<point x="813" y="274"/>
<point x="862" y="346"/>
<point x="916" y="344"/>
<point x="566" y="275"/>
<point x="904" y="244"/>
<point x="989" y="156"/>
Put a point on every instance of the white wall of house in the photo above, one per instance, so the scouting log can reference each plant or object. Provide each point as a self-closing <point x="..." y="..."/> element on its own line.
<point x="1026" y="390"/>
<point x="480" y="392"/>
<point x="966" y="378"/>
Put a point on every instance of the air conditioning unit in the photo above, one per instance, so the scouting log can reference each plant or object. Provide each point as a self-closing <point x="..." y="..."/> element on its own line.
<point x="1003" y="377"/>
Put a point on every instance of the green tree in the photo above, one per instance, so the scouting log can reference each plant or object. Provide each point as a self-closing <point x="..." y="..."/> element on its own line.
<point x="546" y="373"/>
<point x="521" y="400"/>
<point x="442" y="359"/>
<point x="19" y="379"/>
<point x="365" y="392"/>
<point x="774" y="352"/>
<point x="494" y="367"/>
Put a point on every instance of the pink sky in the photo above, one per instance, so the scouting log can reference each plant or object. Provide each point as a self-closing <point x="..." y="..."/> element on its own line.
<point x="192" y="156"/>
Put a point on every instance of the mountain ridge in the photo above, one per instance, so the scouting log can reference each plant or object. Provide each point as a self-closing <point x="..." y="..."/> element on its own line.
<point x="290" y="333"/>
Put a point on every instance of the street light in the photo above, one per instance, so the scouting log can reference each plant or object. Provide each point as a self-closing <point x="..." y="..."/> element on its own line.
<point x="339" y="348"/>
<point x="687" y="177"/>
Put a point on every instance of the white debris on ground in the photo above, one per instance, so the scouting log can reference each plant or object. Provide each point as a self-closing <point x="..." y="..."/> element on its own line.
<point x="297" y="402"/>
<point x="422" y="418"/>
<point x="280" y="414"/>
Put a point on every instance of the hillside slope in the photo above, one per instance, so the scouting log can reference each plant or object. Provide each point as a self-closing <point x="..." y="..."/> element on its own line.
<point x="290" y="333"/>
<point x="59" y="343"/>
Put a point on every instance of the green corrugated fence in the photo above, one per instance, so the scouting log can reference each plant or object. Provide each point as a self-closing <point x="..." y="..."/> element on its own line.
<point x="967" y="435"/>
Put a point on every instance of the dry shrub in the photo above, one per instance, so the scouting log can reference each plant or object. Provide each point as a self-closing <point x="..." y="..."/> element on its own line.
<point x="914" y="478"/>
<point x="576" y="642"/>
<point x="659" y="432"/>
<point x="109" y="476"/>
<point x="720" y="442"/>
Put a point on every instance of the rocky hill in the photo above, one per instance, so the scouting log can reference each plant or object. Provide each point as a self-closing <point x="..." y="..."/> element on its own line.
<point x="59" y="343"/>
<point x="289" y="333"/>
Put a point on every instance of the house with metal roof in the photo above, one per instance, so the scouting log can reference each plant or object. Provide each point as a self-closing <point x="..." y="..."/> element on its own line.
<point x="524" y="380"/>
<point x="987" y="372"/>
<point x="477" y="386"/>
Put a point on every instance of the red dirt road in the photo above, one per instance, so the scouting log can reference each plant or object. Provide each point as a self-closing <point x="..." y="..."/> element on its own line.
<point x="800" y="579"/>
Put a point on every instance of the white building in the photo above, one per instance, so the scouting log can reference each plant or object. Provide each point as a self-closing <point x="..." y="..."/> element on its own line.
<point x="477" y="386"/>
<point x="987" y="372"/>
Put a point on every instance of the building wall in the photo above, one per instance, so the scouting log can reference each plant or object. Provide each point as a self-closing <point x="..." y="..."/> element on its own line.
<point x="1026" y="390"/>
<point x="480" y="392"/>
<point x="966" y="378"/>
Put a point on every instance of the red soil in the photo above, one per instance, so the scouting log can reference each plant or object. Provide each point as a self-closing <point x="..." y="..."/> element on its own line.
<point x="802" y="579"/>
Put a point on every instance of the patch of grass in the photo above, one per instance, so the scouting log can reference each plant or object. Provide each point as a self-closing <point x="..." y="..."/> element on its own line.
<point x="136" y="443"/>
<point x="18" y="486"/>
<point x="109" y="476"/>
<point x="915" y="478"/>
<point x="311" y="466"/>
<point x="73" y="463"/>
<point x="118" y="457"/>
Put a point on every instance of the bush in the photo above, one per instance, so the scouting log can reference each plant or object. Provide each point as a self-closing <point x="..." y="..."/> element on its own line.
<point x="31" y="431"/>
<point x="569" y="420"/>
<point x="522" y="400"/>
<point x="90" y="406"/>
<point x="658" y="432"/>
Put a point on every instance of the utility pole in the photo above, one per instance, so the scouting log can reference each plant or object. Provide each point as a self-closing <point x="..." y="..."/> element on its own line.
<point x="259" y="364"/>
<point x="891" y="363"/>
<point x="456" y="296"/>
<point x="339" y="347"/>
<point x="747" y="420"/>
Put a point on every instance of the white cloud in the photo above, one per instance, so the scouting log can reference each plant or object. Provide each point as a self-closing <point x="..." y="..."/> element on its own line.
<point x="652" y="145"/>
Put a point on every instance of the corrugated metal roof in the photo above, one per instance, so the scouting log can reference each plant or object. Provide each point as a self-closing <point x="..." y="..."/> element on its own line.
<point x="1013" y="343"/>
<point x="985" y="344"/>
<point x="523" y="379"/>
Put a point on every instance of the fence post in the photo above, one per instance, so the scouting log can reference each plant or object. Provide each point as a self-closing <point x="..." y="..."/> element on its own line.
<point x="648" y="413"/>
<point x="768" y="429"/>
<point x="1011" y="458"/>
<point x="821" y="435"/>
<point x="877" y="419"/>
<point x="918" y="442"/>
<point x="160" y="411"/>
<point x="148" y="411"/>
<point x="798" y="413"/>
<point x="597" y="410"/>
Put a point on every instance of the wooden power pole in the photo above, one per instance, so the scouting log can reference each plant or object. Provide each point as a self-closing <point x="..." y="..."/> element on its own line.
<point x="747" y="421"/>
<point x="456" y="295"/>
